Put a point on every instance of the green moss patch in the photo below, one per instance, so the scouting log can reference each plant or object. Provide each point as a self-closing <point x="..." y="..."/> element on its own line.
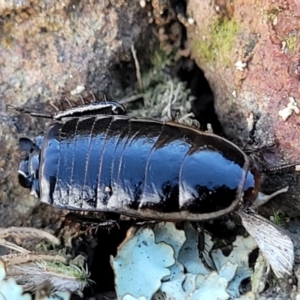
<point x="219" y="43"/>
<point x="292" y="42"/>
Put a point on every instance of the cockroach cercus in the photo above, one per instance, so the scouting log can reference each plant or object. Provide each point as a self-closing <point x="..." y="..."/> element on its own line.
<point x="96" y="158"/>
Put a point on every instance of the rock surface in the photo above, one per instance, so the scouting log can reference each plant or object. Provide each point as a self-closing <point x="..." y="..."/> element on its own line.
<point x="47" y="50"/>
<point x="250" y="54"/>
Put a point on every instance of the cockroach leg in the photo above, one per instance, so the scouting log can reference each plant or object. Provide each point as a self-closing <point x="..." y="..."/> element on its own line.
<point x="262" y="198"/>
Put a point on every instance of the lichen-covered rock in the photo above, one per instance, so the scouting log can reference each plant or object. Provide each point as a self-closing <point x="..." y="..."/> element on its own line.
<point x="48" y="49"/>
<point x="146" y="255"/>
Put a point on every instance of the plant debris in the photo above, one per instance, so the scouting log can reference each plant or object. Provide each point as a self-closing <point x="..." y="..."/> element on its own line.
<point x="9" y="289"/>
<point x="28" y="270"/>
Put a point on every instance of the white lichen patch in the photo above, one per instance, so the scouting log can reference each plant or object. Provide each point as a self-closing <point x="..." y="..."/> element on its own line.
<point x="189" y="254"/>
<point x="210" y="287"/>
<point x="191" y="21"/>
<point x="238" y="259"/>
<point x="143" y="3"/>
<point x="146" y="255"/>
<point x="286" y="112"/>
<point x="78" y="90"/>
<point x="174" y="238"/>
<point x="130" y="297"/>
<point x="140" y="264"/>
<point x="239" y="65"/>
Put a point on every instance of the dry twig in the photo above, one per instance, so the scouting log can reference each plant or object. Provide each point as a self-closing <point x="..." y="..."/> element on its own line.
<point x="137" y="66"/>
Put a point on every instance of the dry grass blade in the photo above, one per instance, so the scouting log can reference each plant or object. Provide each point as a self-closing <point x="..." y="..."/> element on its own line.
<point x="137" y="66"/>
<point x="13" y="246"/>
<point x="131" y="98"/>
<point x="25" y="232"/>
<point x="23" y="258"/>
<point x="62" y="278"/>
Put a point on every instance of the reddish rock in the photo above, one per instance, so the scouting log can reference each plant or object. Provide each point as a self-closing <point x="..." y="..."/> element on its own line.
<point x="264" y="37"/>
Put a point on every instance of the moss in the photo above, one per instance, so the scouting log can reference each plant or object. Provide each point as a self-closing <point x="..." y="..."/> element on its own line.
<point x="219" y="43"/>
<point x="278" y="218"/>
<point x="292" y="42"/>
<point x="204" y="50"/>
<point x="154" y="73"/>
<point x="159" y="58"/>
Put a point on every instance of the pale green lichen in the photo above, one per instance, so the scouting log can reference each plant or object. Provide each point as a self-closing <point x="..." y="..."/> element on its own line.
<point x="219" y="43"/>
<point x="174" y="268"/>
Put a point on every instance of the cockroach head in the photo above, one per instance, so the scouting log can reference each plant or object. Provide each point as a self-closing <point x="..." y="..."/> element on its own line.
<point x="29" y="164"/>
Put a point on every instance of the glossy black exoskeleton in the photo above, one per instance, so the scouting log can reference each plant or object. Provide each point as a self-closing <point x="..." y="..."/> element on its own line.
<point x="95" y="157"/>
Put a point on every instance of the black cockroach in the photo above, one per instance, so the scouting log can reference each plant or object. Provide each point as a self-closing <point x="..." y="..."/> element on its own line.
<point x="94" y="157"/>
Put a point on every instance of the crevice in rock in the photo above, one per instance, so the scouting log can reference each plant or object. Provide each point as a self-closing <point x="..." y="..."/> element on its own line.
<point x="203" y="106"/>
<point x="183" y="68"/>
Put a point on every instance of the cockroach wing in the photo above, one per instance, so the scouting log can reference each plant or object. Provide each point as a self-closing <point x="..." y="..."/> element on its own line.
<point x="276" y="246"/>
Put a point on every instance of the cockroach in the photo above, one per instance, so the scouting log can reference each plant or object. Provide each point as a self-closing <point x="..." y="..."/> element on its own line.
<point x="96" y="158"/>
